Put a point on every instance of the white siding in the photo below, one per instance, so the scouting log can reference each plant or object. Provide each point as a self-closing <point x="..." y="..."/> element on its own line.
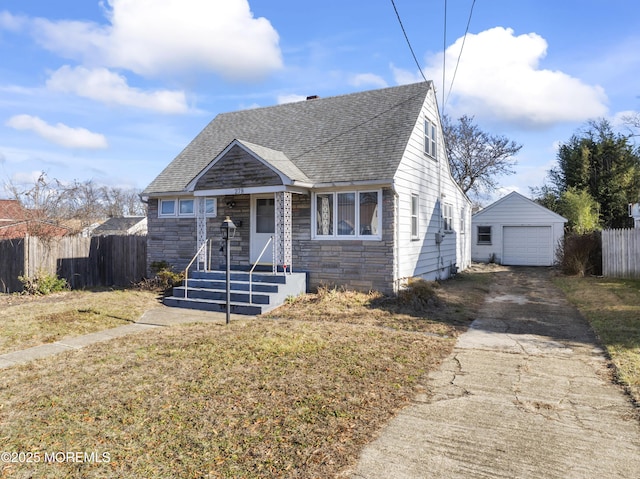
<point x="431" y="180"/>
<point x="522" y="221"/>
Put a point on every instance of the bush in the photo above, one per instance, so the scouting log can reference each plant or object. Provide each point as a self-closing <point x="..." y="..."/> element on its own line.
<point x="165" y="277"/>
<point x="43" y="283"/>
<point x="419" y="294"/>
<point x="581" y="254"/>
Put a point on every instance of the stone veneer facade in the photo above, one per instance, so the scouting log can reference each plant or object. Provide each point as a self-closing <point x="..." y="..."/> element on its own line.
<point x="364" y="265"/>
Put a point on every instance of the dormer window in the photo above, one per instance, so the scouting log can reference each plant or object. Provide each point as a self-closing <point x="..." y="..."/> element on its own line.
<point x="430" y="139"/>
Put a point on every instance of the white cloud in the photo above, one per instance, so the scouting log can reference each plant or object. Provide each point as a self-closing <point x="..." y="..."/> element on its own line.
<point x="405" y="77"/>
<point x="292" y="98"/>
<point x="151" y="37"/>
<point x="108" y="87"/>
<point x="59" y="134"/>
<point x="368" y="79"/>
<point x="12" y="23"/>
<point x="499" y="76"/>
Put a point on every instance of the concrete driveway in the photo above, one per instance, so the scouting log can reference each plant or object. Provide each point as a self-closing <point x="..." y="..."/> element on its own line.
<point x="527" y="393"/>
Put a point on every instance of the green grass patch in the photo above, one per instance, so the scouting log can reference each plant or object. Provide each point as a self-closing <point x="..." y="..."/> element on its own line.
<point x="612" y="306"/>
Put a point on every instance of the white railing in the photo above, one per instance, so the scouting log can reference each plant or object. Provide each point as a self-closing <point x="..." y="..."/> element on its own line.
<point x="254" y="267"/>
<point x="186" y="271"/>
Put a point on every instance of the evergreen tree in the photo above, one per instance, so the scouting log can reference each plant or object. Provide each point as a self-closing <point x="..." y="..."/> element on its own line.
<point x="604" y="164"/>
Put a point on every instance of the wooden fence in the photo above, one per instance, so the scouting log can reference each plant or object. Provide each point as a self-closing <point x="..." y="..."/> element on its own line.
<point x="621" y="253"/>
<point x="83" y="262"/>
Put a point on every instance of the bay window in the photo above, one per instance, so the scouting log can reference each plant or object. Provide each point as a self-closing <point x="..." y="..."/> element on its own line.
<point x="347" y="215"/>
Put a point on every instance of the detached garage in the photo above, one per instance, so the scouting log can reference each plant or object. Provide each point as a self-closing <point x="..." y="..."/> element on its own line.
<point x="516" y="231"/>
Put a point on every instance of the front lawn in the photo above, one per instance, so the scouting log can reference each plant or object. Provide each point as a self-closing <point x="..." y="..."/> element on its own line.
<point x="612" y="306"/>
<point x="286" y="397"/>
<point x="27" y="321"/>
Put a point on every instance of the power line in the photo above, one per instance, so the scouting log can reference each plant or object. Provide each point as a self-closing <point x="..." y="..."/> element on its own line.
<point x="459" y="55"/>
<point x="407" y="38"/>
<point x="444" y="52"/>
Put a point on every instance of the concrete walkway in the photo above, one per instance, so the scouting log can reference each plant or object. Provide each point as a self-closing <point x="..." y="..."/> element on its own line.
<point x="154" y="318"/>
<point x="527" y="393"/>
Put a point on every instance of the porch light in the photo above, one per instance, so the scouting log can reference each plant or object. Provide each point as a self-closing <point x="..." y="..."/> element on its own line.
<point x="228" y="229"/>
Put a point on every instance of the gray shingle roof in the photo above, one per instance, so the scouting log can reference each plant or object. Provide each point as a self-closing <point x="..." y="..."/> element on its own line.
<point x="356" y="137"/>
<point x="118" y="225"/>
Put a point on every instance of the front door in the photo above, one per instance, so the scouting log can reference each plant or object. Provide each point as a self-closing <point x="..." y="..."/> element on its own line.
<point x="263" y="227"/>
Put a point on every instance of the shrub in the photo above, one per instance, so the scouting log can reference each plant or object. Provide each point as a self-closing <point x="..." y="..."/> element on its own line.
<point x="580" y="254"/>
<point x="419" y="294"/>
<point x="43" y="283"/>
<point x="165" y="277"/>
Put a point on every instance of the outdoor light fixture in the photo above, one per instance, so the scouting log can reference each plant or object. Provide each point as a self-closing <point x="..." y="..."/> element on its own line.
<point x="228" y="231"/>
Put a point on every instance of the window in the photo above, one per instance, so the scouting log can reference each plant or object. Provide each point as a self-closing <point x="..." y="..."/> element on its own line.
<point x="353" y="214"/>
<point x="324" y="214"/>
<point x="415" y="207"/>
<point x="265" y="215"/>
<point x="484" y="234"/>
<point x="167" y="207"/>
<point x="346" y="214"/>
<point x="430" y="139"/>
<point x="210" y="207"/>
<point x="463" y="221"/>
<point x="368" y="213"/>
<point x="186" y="208"/>
<point x="447" y="215"/>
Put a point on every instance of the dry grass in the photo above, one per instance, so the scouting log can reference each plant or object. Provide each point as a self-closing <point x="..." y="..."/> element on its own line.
<point x="440" y="308"/>
<point x="612" y="306"/>
<point x="27" y="321"/>
<point x="285" y="398"/>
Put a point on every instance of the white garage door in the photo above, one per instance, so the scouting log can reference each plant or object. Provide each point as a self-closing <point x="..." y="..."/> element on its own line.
<point x="527" y="245"/>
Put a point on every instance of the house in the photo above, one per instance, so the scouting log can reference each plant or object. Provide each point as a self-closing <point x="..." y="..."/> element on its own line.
<point x="122" y="225"/>
<point x="18" y="222"/>
<point x="516" y="231"/>
<point x="355" y="190"/>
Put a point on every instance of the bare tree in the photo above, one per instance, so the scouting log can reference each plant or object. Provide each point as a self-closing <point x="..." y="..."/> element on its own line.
<point x="53" y="201"/>
<point x="477" y="158"/>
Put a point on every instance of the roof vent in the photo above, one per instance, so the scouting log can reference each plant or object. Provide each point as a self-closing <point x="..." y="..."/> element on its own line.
<point x="312" y="97"/>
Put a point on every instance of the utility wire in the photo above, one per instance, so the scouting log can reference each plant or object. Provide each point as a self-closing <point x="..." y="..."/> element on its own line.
<point x="459" y="55"/>
<point x="444" y="52"/>
<point x="407" y="38"/>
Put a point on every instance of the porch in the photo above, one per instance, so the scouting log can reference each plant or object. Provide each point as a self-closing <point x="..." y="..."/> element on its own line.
<point x="260" y="255"/>
<point x="251" y="293"/>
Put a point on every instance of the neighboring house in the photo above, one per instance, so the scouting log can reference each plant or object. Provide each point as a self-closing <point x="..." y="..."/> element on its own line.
<point x="356" y="190"/>
<point x="18" y="222"/>
<point x="516" y="231"/>
<point x="124" y="225"/>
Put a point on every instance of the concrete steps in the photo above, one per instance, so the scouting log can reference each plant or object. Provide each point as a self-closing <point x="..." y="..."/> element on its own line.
<point x="206" y="290"/>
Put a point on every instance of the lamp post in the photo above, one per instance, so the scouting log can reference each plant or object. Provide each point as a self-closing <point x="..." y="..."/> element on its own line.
<point x="228" y="231"/>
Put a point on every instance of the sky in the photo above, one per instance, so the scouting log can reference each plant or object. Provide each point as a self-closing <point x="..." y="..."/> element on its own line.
<point x="112" y="90"/>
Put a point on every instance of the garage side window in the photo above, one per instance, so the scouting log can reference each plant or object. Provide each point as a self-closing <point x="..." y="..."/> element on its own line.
<point x="484" y="234"/>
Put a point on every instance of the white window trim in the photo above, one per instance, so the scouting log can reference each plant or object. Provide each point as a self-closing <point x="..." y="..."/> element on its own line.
<point x="176" y="207"/>
<point x="193" y="208"/>
<point x="478" y="235"/>
<point x="167" y="215"/>
<point x="335" y="236"/>
<point x="215" y="207"/>
<point x="415" y="235"/>
<point x="447" y="214"/>
<point x="430" y="141"/>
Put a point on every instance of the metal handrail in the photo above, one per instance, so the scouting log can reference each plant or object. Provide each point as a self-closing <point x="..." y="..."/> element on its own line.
<point x="254" y="267"/>
<point x="186" y="270"/>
